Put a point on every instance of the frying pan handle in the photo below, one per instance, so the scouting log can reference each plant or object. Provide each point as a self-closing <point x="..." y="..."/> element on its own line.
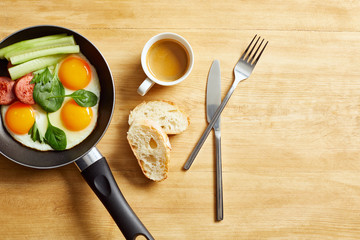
<point x="99" y="177"/>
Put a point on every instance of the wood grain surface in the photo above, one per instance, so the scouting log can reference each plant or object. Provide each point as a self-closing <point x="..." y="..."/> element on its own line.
<point x="290" y="133"/>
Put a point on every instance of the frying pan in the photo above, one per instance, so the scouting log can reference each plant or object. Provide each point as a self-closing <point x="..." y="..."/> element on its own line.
<point x="90" y="162"/>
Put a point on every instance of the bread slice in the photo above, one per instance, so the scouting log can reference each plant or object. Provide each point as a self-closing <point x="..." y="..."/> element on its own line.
<point x="169" y="117"/>
<point x="151" y="147"/>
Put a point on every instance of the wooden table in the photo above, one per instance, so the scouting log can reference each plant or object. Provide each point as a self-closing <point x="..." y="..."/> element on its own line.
<point x="290" y="133"/>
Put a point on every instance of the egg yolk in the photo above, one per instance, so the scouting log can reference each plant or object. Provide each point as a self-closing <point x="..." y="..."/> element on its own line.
<point x="74" y="73"/>
<point x="75" y="117"/>
<point x="19" y="118"/>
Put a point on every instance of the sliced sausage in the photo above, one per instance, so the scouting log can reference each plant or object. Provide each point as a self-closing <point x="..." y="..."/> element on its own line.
<point x="9" y="65"/>
<point x="7" y="95"/>
<point x="24" y="89"/>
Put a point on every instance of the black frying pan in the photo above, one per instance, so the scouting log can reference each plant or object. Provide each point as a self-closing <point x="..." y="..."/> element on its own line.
<point x="91" y="163"/>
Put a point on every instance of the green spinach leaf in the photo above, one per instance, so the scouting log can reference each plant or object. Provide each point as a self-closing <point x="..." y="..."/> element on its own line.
<point x="55" y="137"/>
<point x="42" y="76"/>
<point x="48" y="85"/>
<point x="82" y="97"/>
<point x="35" y="134"/>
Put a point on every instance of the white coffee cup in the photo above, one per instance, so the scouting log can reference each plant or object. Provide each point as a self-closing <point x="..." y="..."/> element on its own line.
<point x="151" y="79"/>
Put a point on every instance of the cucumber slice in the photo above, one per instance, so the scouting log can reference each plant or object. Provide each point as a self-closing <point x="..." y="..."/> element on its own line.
<point x="45" y="52"/>
<point x="34" y="65"/>
<point x="25" y="43"/>
<point x="68" y="40"/>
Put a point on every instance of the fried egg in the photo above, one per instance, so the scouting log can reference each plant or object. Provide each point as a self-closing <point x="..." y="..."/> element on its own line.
<point x="75" y="72"/>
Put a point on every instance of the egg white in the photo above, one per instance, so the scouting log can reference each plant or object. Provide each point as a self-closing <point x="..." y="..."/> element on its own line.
<point x="73" y="137"/>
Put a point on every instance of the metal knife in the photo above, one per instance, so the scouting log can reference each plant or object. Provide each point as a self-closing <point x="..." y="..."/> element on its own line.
<point x="213" y="100"/>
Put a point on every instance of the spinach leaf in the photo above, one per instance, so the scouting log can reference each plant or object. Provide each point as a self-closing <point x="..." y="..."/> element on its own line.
<point x="82" y="97"/>
<point x="55" y="137"/>
<point x="42" y="76"/>
<point x="48" y="85"/>
<point x="35" y="134"/>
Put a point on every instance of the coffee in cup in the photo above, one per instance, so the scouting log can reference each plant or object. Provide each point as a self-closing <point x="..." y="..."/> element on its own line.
<point x="167" y="59"/>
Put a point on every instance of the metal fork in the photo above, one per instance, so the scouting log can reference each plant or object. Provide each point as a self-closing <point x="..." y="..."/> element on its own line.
<point x="242" y="71"/>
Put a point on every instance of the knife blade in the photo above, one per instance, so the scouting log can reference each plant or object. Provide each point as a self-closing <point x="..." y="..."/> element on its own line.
<point x="213" y="100"/>
<point x="213" y="92"/>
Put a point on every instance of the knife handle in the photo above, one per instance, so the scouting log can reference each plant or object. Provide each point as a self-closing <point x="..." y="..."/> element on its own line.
<point x="219" y="186"/>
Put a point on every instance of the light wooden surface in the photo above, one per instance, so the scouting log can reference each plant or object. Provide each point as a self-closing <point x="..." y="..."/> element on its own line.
<point x="290" y="133"/>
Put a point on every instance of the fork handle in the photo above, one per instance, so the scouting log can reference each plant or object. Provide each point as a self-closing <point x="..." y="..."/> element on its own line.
<point x="210" y="126"/>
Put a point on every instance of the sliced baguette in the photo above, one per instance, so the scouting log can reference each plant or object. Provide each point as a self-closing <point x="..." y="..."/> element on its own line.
<point x="167" y="114"/>
<point x="151" y="147"/>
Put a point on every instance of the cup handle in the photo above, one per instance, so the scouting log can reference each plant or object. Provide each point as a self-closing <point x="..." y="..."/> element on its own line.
<point x="145" y="86"/>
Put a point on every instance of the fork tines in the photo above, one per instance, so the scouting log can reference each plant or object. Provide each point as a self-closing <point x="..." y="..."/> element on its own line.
<point x="248" y="57"/>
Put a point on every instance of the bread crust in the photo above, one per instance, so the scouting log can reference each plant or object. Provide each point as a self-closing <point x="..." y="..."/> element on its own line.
<point x="159" y="117"/>
<point x="132" y="115"/>
<point x="164" y="139"/>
